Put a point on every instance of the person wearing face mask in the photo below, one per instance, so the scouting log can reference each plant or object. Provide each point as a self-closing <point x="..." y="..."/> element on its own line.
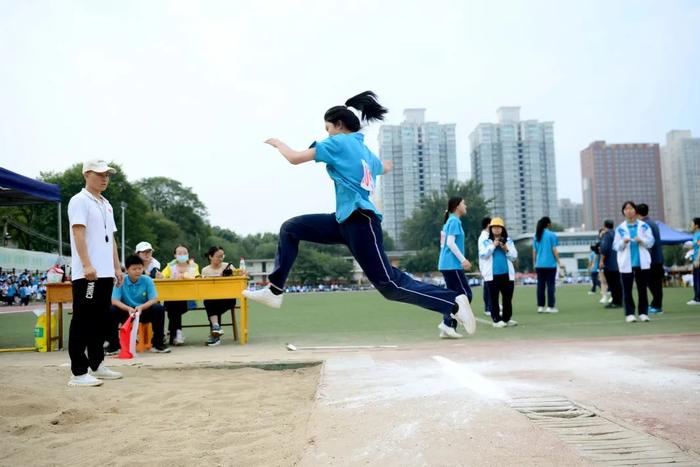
<point x="179" y="268"/>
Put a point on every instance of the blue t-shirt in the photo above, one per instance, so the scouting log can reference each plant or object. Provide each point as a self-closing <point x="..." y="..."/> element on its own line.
<point x="595" y="261"/>
<point x="353" y="168"/>
<point x="24" y="291"/>
<point x="545" y="256"/>
<point x="448" y="261"/>
<point x="500" y="262"/>
<point x="696" y="248"/>
<point x="634" y="246"/>
<point x="135" y="294"/>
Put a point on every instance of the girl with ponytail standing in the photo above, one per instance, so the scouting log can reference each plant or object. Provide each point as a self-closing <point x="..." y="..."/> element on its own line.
<point x="452" y="262"/>
<point x="356" y="222"/>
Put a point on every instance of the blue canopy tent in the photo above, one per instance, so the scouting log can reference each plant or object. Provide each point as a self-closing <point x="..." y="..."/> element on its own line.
<point x="16" y="189"/>
<point x="671" y="236"/>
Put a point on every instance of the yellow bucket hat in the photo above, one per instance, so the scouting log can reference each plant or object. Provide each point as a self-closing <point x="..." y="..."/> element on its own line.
<point x="497" y="221"/>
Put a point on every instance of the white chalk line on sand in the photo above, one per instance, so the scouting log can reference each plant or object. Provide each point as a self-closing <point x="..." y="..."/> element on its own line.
<point x="471" y="380"/>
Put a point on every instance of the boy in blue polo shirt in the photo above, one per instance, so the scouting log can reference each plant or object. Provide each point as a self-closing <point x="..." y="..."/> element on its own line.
<point x="136" y="295"/>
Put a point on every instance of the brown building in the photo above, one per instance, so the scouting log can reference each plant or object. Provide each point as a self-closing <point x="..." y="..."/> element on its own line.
<point x="614" y="173"/>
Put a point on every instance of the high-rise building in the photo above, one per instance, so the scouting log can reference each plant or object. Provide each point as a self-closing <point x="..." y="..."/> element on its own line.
<point x="514" y="161"/>
<point x="614" y="173"/>
<point x="570" y="214"/>
<point x="425" y="160"/>
<point x="680" y="167"/>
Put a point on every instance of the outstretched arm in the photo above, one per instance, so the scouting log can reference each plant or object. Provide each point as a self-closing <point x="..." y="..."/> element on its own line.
<point x="294" y="157"/>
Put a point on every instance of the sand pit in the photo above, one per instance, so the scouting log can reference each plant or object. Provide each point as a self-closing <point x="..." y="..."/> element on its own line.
<point x="174" y="417"/>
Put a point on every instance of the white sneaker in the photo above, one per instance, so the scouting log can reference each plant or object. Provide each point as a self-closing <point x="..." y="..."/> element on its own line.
<point x="464" y="314"/>
<point x="446" y="332"/>
<point x="591" y="293"/>
<point x="103" y="372"/>
<point x="644" y="318"/>
<point x="551" y="309"/>
<point x="499" y="324"/>
<point x="693" y="302"/>
<point x="179" y="337"/>
<point x="84" y="380"/>
<point x="487" y="313"/>
<point x="603" y="300"/>
<point x="631" y="318"/>
<point x="512" y="323"/>
<point x="264" y="296"/>
<point x="540" y="309"/>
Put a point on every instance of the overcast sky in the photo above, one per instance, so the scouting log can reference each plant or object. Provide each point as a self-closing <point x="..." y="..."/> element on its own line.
<point x="190" y="89"/>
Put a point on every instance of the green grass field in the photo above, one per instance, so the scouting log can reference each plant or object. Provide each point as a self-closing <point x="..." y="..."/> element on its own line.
<point x="343" y="318"/>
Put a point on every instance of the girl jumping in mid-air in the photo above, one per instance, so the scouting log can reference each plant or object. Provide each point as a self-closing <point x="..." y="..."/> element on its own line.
<point x="356" y="222"/>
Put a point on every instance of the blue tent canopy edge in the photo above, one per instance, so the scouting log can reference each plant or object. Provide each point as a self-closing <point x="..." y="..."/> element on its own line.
<point x="16" y="189"/>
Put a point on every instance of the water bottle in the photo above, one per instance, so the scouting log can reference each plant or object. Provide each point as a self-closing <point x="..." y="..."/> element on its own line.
<point x="241" y="265"/>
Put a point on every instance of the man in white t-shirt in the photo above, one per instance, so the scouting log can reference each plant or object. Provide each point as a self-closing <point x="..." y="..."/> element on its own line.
<point x="95" y="267"/>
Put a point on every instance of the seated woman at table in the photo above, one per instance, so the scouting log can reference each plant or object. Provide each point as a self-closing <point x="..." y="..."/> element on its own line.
<point x="182" y="267"/>
<point x="215" y="308"/>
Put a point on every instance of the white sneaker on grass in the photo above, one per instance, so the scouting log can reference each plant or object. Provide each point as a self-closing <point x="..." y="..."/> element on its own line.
<point x="631" y="318"/>
<point x="512" y="323"/>
<point x="264" y="296"/>
<point x="551" y="309"/>
<point x="644" y="318"/>
<point x="487" y="313"/>
<point x="464" y="314"/>
<point x="446" y="332"/>
<point x="499" y="324"/>
<point x="85" y="380"/>
<point x="103" y="372"/>
<point x="540" y="309"/>
<point x="693" y="302"/>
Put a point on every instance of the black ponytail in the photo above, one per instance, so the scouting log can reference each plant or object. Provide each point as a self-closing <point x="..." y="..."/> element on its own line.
<point x="541" y="225"/>
<point x="451" y="206"/>
<point x="365" y="102"/>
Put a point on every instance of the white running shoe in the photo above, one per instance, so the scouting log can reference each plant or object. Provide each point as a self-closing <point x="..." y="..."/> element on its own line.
<point x="264" y="296"/>
<point x="631" y="318"/>
<point x="551" y="309"/>
<point x="179" y="337"/>
<point x="446" y="332"/>
<point x="644" y="318"/>
<point x="693" y="302"/>
<point x="512" y="323"/>
<point x="464" y="314"/>
<point x="604" y="299"/>
<point x="84" y="381"/>
<point x="487" y="313"/>
<point x="499" y="324"/>
<point x="540" y="309"/>
<point x="103" y="372"/>
<point x="591" y="293"/>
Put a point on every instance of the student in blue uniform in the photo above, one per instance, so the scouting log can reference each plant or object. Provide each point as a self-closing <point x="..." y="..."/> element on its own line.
<point x="545" y="257"/>
<point x="356" y="222"/>
<point x="632" y="242"/>
<point x="452" y="262"/>
<point x="497" y="254"/>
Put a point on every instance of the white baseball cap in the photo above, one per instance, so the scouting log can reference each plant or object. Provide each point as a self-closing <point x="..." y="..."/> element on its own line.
<point x="143" y="246"/>
<point x="97" y="165"/>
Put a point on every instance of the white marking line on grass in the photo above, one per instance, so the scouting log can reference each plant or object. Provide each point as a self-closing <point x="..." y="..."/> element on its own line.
<point x="471" y="380"/>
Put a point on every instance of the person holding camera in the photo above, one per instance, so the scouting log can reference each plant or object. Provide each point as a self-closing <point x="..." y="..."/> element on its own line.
<point x="215" y="308"/>
<point x="497" y="254"/>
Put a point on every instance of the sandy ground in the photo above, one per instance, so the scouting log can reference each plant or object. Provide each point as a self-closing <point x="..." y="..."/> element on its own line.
<point x="441" y="403"/>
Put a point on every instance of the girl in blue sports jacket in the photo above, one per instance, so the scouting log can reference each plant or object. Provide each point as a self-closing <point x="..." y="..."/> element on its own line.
<point x="356" y="222"/>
